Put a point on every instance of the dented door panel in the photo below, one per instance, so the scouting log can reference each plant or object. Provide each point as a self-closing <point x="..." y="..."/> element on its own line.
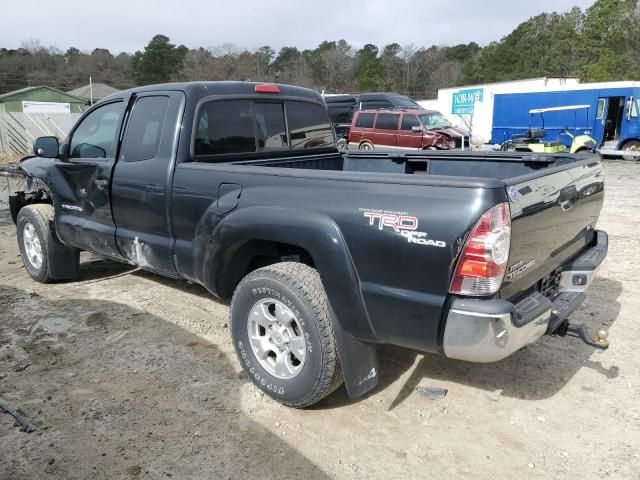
<point x="81" y="180"/>
<point x="82" y="206"/>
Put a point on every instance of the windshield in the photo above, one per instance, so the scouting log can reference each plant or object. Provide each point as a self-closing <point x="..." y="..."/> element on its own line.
<point x="434" y="120"/>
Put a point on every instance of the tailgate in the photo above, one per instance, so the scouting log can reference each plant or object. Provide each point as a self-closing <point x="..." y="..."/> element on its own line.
<point x="553" y="215"/>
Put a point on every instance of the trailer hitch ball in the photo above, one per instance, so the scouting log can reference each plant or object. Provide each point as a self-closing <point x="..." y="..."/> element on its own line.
<point x="602" y="337"/>
<point x="581" y="331"/>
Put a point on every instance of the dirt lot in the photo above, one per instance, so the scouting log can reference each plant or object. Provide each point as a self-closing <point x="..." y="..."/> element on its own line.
<point x="129" y="375"/>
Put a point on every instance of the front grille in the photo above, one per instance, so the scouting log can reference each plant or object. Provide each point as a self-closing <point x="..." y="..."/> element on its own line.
<point x="550" y="285"/>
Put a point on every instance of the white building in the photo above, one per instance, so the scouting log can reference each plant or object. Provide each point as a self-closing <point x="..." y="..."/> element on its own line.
<point x="471" y="107"/>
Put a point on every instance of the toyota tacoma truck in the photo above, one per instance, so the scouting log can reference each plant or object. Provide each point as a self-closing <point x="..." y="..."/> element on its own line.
<point x="323" y="254"/>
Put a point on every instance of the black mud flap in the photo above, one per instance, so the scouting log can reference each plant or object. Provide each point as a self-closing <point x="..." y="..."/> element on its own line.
<point x="359" y="362"/>
<point x="16" y="202"/>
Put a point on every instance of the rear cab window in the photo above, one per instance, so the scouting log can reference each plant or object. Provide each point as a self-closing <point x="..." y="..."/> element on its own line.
<point x="248" y="126"/>
<point x="387" y="121"/>
<point x="271" y="131"/>
<point x="224" y="127"/>
<point x="309" y="126"/>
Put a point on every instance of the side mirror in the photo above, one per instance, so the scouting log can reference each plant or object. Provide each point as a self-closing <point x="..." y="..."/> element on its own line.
<point x="416" y="128"/>
<point x="46" y="147"/>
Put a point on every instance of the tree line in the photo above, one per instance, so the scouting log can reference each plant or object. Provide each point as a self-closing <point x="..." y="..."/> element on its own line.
<point x="599" y="44"/>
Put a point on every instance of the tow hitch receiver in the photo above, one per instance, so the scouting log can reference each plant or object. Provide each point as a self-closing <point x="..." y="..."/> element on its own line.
<point x="582" y="332"/>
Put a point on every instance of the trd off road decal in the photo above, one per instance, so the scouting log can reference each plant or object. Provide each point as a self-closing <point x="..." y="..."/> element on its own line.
<point x="402" y="223"/>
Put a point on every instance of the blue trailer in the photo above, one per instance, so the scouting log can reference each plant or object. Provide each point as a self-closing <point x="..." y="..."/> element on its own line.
<point x="612" y="119"/>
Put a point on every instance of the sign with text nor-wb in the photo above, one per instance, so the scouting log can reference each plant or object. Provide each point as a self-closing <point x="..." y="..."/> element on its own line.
<point x="464" y="100"/>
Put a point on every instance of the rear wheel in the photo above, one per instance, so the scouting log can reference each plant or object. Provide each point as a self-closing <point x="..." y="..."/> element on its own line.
<point x="283" y="335"/>
<point x="45" y="258"/>
<point x="342" y="144"/>
<point x="632" y="147"/>
<point x="365" y="146"/>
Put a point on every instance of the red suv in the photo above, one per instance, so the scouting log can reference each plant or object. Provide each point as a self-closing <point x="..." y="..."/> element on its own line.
<point x="405" y="129"/>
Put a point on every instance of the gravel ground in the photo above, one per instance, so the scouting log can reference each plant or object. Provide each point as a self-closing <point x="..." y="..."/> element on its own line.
<point x="129" y="375"/>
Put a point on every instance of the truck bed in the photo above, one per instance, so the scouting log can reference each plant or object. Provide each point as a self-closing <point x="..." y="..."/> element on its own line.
<point x="554" y="199"/>
<point x="497" y="165"/>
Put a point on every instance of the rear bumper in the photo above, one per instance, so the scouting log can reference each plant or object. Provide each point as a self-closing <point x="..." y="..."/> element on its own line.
<point x="489" y="330"/>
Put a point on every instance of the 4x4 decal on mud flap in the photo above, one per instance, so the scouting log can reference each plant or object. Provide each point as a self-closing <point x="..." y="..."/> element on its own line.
<point x="371" y="375"/>
<point x="402" y="223"/>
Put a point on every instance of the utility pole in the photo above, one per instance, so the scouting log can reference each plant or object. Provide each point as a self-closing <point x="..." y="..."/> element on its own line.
<point x="90" y="90"/>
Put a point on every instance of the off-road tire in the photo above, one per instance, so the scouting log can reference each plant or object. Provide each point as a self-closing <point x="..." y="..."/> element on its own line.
<point x="58" y="261"/>
<point x="297" y="286"/>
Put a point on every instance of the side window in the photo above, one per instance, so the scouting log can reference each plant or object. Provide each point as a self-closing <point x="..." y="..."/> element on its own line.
<point x="635" y="111"/>
<point x="387" y="121"/>
<point x="224" y="126"/>
<point x="600" y="109"/>
<point x="409" y="121"/>
<point x="309" y="126"/>
<point x="365" y="120"/>
<point x="96" y="135"/>
<point x="271" y="131"/>
<point x="144" y="131"/>
<point x="376" y="104"/>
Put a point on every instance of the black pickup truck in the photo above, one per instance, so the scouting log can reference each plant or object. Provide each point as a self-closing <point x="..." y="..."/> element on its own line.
<point x="239" y="187"/>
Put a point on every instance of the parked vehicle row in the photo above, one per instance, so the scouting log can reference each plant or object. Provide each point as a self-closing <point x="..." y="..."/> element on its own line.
<point x="343" y="107"/>
<point x="323" y="254"/>
<point x="406" y="129"/>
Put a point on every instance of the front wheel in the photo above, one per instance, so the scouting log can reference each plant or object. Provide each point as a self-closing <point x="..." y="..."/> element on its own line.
<point x="283" y="335"/>
<point x="365" y="146"/>
<point x="342" y="144"/>
<point x="45" y="258"/>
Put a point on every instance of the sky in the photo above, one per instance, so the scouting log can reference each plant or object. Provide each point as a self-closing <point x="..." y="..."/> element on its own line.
<point x="128" y="25"/>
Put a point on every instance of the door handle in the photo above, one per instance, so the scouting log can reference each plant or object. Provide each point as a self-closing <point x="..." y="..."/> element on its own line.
<point x="100" y="183"/>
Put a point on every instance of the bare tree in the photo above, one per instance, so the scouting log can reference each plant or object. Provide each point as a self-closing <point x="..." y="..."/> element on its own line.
<point x="409" y="69"/>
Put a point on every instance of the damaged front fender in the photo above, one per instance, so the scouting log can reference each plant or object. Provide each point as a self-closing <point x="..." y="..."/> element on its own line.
<point x="36" y="171"/>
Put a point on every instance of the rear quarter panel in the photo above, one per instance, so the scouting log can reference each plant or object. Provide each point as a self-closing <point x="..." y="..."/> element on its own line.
<point x="402" y="238"/>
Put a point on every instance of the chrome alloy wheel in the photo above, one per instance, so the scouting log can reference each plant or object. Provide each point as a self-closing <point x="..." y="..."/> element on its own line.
<point x="32" y="246"/>
<point x="276" y="338"/>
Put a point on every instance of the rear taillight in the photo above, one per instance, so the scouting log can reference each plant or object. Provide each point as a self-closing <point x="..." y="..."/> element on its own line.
<point x="483" y="260"/>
